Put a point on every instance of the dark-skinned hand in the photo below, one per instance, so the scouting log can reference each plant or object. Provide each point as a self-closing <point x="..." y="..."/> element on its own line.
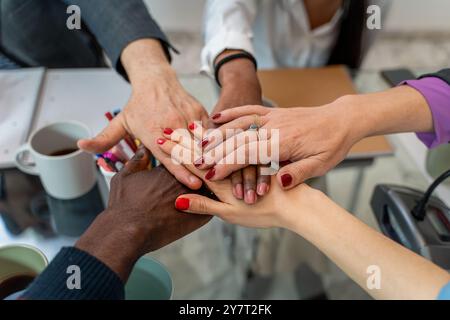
<point x="140" y="217"/>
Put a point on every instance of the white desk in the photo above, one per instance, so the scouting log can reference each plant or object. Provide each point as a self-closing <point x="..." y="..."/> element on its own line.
<point x="86" y="94"/>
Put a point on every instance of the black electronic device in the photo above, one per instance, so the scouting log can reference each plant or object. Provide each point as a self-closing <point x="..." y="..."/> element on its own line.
<point x="393" y="207"/>
<point x="396" y="76"/>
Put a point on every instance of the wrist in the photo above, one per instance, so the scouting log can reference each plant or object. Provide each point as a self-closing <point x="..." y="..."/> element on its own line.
<point x="145" y="57"/>
<point x="240" y="85"/>
<point x="351" y="110"/>
<point x="116" y="245"/>
<point x="305" y="211"/>
<point x="235" y="71"/>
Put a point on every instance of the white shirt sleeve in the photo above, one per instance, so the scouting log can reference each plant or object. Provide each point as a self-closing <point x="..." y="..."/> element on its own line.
<point x="227" y="25"/>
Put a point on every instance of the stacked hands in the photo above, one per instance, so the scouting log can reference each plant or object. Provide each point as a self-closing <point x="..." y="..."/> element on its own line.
<point x="185" y="148"/>
<point x="259" y="138"/>
<point x="255" y="160"/>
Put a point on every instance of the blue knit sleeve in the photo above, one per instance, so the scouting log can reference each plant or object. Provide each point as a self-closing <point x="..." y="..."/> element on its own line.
<point x="59" y="281"/>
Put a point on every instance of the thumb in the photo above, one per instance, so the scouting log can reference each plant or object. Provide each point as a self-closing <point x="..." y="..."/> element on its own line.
<point x="295" y="173"/>
<point x="194" y="203"/>
<point x="105" y="140"/>
<point x="139" y="162"/>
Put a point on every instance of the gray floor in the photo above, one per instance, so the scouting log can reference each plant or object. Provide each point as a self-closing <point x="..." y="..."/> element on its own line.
<point x="429" y="51"/>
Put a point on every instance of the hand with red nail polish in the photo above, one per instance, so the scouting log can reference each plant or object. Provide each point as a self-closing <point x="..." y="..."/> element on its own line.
<point x="313" y="140"/>
<point x="239" y="197"/>
<point x="312" y="215"/>
<point x="275" y="209"/>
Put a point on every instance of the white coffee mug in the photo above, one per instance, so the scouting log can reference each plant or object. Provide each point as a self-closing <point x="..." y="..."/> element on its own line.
<point x="64" y="174"/>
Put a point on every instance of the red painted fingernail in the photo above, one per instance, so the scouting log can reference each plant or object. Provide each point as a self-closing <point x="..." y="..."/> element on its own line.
<point x="199" y="162"/>
<point x="210" y="174"/>
<point x="182" y="203"/>
<point x="192" y="126"/>
<point x="161" y="141"/>
<point x="168" y="131"/>
<point x="286" y="179"/>
<point x="216" y="116"/>
<point x="204" y="142"/>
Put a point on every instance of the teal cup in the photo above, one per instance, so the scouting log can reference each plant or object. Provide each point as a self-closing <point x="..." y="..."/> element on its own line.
<point x="149" y="280"/>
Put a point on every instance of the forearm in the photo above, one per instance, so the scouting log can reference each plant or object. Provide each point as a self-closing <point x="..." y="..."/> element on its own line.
<point x="401" y="109"/>
<point x="354" y="246"/>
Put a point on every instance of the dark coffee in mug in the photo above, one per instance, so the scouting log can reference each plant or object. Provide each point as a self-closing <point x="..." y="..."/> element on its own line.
<point x="63" y="152"/>
<point x="15" y="284"/>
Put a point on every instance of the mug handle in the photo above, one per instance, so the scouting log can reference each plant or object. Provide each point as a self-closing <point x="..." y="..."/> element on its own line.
<point x="29" y="168"/>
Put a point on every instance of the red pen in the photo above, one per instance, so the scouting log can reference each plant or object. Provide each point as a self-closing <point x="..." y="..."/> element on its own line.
<point x="102" y="163"/>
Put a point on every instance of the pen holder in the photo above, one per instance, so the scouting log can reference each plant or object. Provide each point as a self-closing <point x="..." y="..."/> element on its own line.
<point x="107" y="176"/>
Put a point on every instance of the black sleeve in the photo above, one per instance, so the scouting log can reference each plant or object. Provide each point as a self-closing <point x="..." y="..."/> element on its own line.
<point x="97" y="281"/>
<point x="443" y="74"/>
<point x="116" y="23"/>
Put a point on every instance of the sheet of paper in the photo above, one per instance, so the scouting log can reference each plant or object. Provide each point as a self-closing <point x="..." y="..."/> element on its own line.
<point x="19" y="93"/>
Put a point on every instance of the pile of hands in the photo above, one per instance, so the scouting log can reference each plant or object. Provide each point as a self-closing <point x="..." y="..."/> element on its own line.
<point x="142" y="212"/>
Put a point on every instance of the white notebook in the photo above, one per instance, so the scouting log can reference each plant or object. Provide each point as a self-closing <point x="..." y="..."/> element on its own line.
<point x="19" y="95"/>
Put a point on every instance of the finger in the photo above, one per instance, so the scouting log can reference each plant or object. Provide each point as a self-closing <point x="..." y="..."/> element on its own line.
<point x="236" y="184"/>
<point x="226" y="131"/>
<point x="198" y="130"/>
<point x="208" y="127"/>
<point x="263" y="181"/>
<point x="180" y="172"/>
<point x="214" y="155"/>
<point x="242" y="157"/>
<point x="178" y="153"/>
<point x="198" y="204"/>
<point x="249" y="176"/>
<point x="105" y="140"/>
<point x="184" y="138"/>
<point x="234" y="113"/>
<point x="139" y="162"/>
<point x="295" y="173"/>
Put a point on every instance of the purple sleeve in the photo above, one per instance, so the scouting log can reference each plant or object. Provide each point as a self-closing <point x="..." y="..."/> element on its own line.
<point x="437" y="94"/>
